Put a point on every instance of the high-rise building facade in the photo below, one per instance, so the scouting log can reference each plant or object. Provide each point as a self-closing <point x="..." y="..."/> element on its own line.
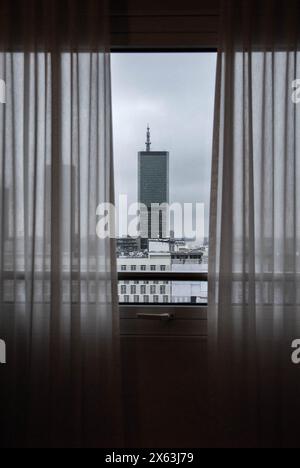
<point x="153" y="192"/>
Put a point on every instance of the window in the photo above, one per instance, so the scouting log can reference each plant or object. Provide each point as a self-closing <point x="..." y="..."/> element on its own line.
<point x="133" y="289"/>
<point x="155" y="299"/>
<point x="123" y="267"/>
<point x="167" y="101"/>
<point x="126" y="298"/>
<point x="123" y="289"/>
<point x="136" y="298"/>
<point x="143" y="289"/>
<point x="146" y="299"/>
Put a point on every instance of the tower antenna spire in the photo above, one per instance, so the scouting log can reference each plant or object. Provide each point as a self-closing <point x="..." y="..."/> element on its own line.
<point x="148" y="142"/>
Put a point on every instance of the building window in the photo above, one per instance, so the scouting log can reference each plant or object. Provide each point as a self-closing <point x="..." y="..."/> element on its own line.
<point x="153" y="267"/>
<point x="133" y="267"/>
<point x="146" y="298"/>
<point x="126" y="299"/>
<point x="155" y="299"/>
<point x="123" y="267"/>
<point x="166" y="299"/>
<point x="143" y="289"/>
<point x="133" y="289"/>
<point x="162" y="289"/>
<point x="162" y="267"/>
<point x="152" y="289"/>
<point x="143" y="267"/>
<point x="123" y="289"/>
<point x="136" y="298"/>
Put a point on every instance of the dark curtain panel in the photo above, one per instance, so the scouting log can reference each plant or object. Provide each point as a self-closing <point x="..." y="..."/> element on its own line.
<point x="255" y="227"/>
<point x="58" y="283"/>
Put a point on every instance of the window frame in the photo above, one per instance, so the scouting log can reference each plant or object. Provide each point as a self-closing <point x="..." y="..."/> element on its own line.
<point x="165" y="276"/>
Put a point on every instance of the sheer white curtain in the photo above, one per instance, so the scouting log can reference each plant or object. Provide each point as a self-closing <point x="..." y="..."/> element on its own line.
<point x="255" y="227"/>
<point x="58" y="299"/>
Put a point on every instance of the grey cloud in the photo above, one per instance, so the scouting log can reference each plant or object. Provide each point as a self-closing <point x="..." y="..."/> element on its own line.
<point x="174" y="93"/>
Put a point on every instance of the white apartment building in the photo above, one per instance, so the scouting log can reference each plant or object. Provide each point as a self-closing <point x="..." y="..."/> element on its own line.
<point x="189" y="292"/>
<point x="145" y="291"/>
<point x="160" y="259"/>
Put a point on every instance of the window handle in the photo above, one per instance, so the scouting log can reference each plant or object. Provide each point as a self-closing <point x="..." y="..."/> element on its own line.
<point x="163" y="317"/>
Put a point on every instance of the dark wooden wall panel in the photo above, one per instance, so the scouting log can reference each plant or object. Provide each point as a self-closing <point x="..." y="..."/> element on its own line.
<point x="165" y="24"/>
<point x="165" y="377"/>
<point x="165" y="391"/>
<point x="168" y="6"/>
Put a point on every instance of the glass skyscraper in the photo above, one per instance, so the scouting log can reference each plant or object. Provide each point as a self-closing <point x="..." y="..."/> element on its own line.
<point x="153" y="192"/>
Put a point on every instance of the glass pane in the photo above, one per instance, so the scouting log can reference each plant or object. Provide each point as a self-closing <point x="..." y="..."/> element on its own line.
<point x="163" y="106"/>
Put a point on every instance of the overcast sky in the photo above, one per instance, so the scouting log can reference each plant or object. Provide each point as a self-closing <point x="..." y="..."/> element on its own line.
<point x="174" y="93"/>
